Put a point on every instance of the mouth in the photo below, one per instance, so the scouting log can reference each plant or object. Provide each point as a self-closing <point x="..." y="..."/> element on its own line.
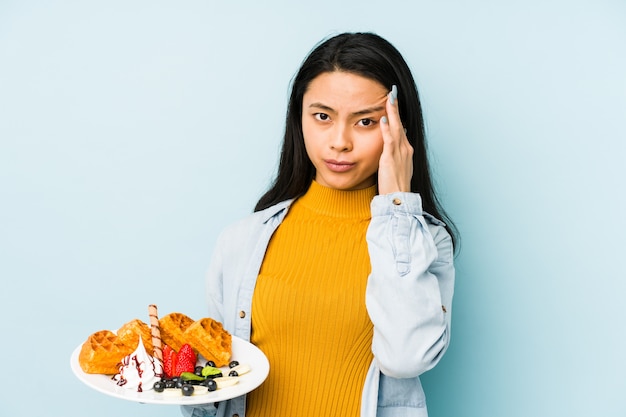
<point x="338" y="166"/>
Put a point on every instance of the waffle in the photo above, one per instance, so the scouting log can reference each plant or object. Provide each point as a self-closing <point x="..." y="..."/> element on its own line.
<point x="172" y="328"/>
<point x="102" y="353"/>
<point x="208" y="337"/>
<point x="129" y="334"/>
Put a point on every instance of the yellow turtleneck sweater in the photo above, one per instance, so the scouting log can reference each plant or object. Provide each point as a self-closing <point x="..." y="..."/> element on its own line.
<point x="308" y="308"/>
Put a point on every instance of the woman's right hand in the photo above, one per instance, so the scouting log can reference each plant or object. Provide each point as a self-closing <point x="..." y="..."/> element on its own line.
<point x="396" y="161"/>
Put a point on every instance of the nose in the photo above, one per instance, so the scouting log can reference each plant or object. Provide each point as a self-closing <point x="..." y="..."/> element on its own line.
<point x="341" y="139"/>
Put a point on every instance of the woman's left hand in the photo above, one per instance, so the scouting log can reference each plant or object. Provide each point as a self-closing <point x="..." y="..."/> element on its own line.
<point x="395" y="168"/>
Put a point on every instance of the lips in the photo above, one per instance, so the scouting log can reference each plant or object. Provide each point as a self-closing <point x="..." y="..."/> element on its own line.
<point x="338" y="166"/>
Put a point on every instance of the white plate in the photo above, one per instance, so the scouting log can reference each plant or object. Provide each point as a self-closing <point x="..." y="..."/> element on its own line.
<point x="244" y="352"/>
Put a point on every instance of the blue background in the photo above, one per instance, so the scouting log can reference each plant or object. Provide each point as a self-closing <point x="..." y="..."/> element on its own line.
<point x="132" y="132"/>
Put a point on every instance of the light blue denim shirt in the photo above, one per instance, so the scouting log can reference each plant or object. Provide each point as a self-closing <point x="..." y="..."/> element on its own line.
<point x="408" y="298"/>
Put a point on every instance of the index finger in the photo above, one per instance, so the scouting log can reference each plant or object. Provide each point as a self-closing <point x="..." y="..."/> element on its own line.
<point x="396" y="129"/>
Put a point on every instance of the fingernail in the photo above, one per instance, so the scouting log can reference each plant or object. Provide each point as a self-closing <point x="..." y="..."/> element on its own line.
<point x="394" y="94"/>
<point x="383" y="119"/>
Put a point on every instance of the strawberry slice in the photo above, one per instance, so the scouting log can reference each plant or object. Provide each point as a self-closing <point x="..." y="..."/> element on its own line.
<point x="186" y="360"/>
<point x="169" y="361"/>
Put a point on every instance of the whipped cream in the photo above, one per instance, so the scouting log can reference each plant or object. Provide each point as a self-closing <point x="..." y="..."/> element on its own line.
<point x="139" y="370"/>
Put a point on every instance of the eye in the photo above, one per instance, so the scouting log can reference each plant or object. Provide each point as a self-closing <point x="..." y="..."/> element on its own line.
<point x="322" y="116"/>
<point x="366" y="122"/>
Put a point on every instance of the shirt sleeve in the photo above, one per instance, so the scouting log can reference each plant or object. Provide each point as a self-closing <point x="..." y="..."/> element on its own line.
<point x="409" y="290"/>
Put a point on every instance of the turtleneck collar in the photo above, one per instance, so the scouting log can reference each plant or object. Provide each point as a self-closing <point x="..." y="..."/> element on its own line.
<point x="338" y="203"/>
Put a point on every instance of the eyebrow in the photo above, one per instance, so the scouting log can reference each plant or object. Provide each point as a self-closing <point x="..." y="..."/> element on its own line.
<point x="368" y="110"/>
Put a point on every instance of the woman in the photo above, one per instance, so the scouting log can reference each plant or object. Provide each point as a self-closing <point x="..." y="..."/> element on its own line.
<point x="344" y="274"/>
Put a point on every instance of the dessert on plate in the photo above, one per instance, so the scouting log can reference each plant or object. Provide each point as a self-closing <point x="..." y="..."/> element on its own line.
<point x="106" y="352"/>
<point x="174" y="355"/>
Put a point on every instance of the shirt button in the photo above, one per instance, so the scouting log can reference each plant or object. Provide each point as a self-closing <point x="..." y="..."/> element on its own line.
<point x="397" y="201"/>
<point x="242" y="314"/>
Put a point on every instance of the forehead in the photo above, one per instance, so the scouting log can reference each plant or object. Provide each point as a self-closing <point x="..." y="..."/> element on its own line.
<point x="339" y="89"/>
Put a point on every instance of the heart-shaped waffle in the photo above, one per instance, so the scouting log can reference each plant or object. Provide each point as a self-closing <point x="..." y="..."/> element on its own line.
<point x="102" y="353"/>
<point x="173" y="326"/>
<point x="211" y="340"/>
<point x="130" y="332"/>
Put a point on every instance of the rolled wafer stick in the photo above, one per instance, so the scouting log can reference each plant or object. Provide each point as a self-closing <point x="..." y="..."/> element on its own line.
<point x="156" y="332"/>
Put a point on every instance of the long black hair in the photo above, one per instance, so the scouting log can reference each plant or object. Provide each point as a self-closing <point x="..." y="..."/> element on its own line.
<point x="370" y="56"/>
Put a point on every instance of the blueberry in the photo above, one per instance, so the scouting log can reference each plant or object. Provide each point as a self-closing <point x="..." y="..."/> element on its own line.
<point x="233" y="373"/>
<point x="198" y="370"/>
<point x="211" y="363"/>
<point x="159" y="386"/>
<point x="211" y="384"/>
<point x="187" y="390"/>
<point x="170" y="384"/>
<point x="233" y="364"/>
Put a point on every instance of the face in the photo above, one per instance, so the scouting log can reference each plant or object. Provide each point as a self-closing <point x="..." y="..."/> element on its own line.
<point x="341" y="115"/>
